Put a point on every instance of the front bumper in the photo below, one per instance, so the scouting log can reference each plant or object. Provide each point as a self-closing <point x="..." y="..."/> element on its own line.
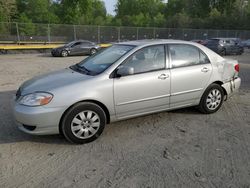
<point x="44" y="120"/>
<point x="55" y="53"/>
<point x="232" y="86"/>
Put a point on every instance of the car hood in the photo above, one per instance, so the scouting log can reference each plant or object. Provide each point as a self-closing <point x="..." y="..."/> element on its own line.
<point x="60" y="48"/>
<point x="49" y="82"/>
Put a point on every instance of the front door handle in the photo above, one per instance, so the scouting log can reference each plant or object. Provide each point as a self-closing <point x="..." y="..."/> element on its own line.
<point x="163" y="76"/>
<point x="204" y="69"/>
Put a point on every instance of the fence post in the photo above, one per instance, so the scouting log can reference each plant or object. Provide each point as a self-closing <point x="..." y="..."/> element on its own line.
<point x="17" y="32"/>
<point x="74" y="27"/>
<point x="49" y="40"/>
<point x="98" y="34"/>
<point x="154" y="33"/>
<point x="137" y="33"/>
<point x="183" y="37"/>
<point x="119" y="34"/>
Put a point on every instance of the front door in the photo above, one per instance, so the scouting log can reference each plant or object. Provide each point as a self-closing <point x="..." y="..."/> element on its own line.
<point x="75" y="48"/>
<point x="190" y="73"/>
<point x="148" y="88"/>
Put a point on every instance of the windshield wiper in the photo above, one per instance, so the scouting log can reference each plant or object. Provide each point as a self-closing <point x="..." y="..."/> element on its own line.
<point x="83" y="68"/>
<point x="80" y="69"/>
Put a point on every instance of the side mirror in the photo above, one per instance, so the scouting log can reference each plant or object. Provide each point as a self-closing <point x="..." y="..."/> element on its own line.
<point x="125" y="70"/>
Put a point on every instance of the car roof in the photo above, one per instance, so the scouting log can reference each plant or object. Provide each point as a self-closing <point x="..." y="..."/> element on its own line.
<point x="82" y="41"/>
<point x="144" y="43"/>
<point x="224" y="39"/>
<point x="155" y="42"/>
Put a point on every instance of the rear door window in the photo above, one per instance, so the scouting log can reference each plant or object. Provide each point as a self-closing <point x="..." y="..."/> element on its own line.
<point x="183" y="55"/>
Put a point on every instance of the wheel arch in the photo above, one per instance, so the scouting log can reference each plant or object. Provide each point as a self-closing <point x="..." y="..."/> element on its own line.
<point x="105" y="109"/>
<point x="220" y="83"/>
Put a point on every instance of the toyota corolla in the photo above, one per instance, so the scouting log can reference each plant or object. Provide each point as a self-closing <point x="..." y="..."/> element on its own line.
<point x="126" y="80"/>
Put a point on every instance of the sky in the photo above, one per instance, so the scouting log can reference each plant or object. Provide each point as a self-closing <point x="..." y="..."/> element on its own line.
<point x="110" y="6"/>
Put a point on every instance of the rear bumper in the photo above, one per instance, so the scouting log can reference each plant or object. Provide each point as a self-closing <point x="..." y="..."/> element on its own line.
<point x="232" y="86"/>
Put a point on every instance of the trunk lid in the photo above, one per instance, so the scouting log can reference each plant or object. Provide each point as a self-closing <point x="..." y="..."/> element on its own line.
<point x="229" y="69"/>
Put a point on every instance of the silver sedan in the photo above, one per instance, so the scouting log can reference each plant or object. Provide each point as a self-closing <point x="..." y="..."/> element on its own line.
<point x="126" y="80"/>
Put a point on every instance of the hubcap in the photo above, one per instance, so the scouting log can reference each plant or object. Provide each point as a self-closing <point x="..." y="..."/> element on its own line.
<point x="213" y="99"/>
<point x="64" y="53"/>
<point x="85" y="124"/>
<point x="93" y="51"/>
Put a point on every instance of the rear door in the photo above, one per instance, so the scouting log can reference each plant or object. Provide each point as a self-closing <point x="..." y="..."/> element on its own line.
<point x="85" y="47"/>
<point x="148" y="89"/>
<point x="190" y="73"/>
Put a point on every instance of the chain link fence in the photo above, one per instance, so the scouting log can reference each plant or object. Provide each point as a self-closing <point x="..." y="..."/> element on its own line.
<point x="61" y="33"/>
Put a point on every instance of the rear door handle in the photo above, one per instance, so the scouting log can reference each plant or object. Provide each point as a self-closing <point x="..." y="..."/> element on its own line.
<point x="204" y="69"/>
<point x="163" y="76"/>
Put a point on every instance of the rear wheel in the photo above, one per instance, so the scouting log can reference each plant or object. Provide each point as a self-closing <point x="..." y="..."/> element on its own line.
<point x="83" y="123"/>
<point x="93" y="51"/>
<point x="223" y="52"/>
<point x="212" y="99"/>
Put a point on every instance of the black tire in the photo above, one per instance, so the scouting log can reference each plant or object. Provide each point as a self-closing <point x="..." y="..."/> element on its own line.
<point x="203" y="106"/>
<point x="93" y="51"/>
<point x="64" y="53"/>
<point x="223" y="52"/>
<point x="67" y="122"/>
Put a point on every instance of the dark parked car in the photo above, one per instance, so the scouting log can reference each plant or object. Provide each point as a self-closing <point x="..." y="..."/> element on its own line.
<point x="79" y="47"/>
<point x="197" y="41"/>
<point x="225" y="46"/>
<point x="246" y="43"/>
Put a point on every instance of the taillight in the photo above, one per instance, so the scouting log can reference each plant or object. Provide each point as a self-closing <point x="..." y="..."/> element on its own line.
<point x="237" y="68"/>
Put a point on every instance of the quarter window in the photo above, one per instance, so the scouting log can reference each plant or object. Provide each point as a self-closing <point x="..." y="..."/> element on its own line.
<point x="147" y="59"/>
<point x="186" y="55"/>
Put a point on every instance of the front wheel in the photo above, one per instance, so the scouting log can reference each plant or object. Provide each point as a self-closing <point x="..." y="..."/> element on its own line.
<point x="212" y="99"/>
<point x="83" y="123"/>
<point x="64" y="53"/>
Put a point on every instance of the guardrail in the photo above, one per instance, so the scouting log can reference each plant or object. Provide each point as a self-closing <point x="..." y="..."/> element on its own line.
<point x="6" y="47"/>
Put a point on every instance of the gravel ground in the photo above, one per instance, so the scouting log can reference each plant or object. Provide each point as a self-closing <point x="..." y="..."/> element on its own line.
<point x="181" y="148"/>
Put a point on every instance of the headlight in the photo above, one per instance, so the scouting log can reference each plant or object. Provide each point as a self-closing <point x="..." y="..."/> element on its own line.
<point x="36" y="99"/>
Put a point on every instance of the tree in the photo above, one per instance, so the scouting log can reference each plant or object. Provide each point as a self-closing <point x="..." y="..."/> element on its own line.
<point x="197" y="8"/>
<point x="39" y="11"/>
<point x="8" y="10"/>
<point x="139" y="12"/>
<point x="26" y="27"/>
<point x="82" y="11"/>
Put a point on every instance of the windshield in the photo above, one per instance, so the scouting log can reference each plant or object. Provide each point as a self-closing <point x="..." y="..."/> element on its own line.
<point x="70" y="44"/>
<point x="99" y="62"/>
